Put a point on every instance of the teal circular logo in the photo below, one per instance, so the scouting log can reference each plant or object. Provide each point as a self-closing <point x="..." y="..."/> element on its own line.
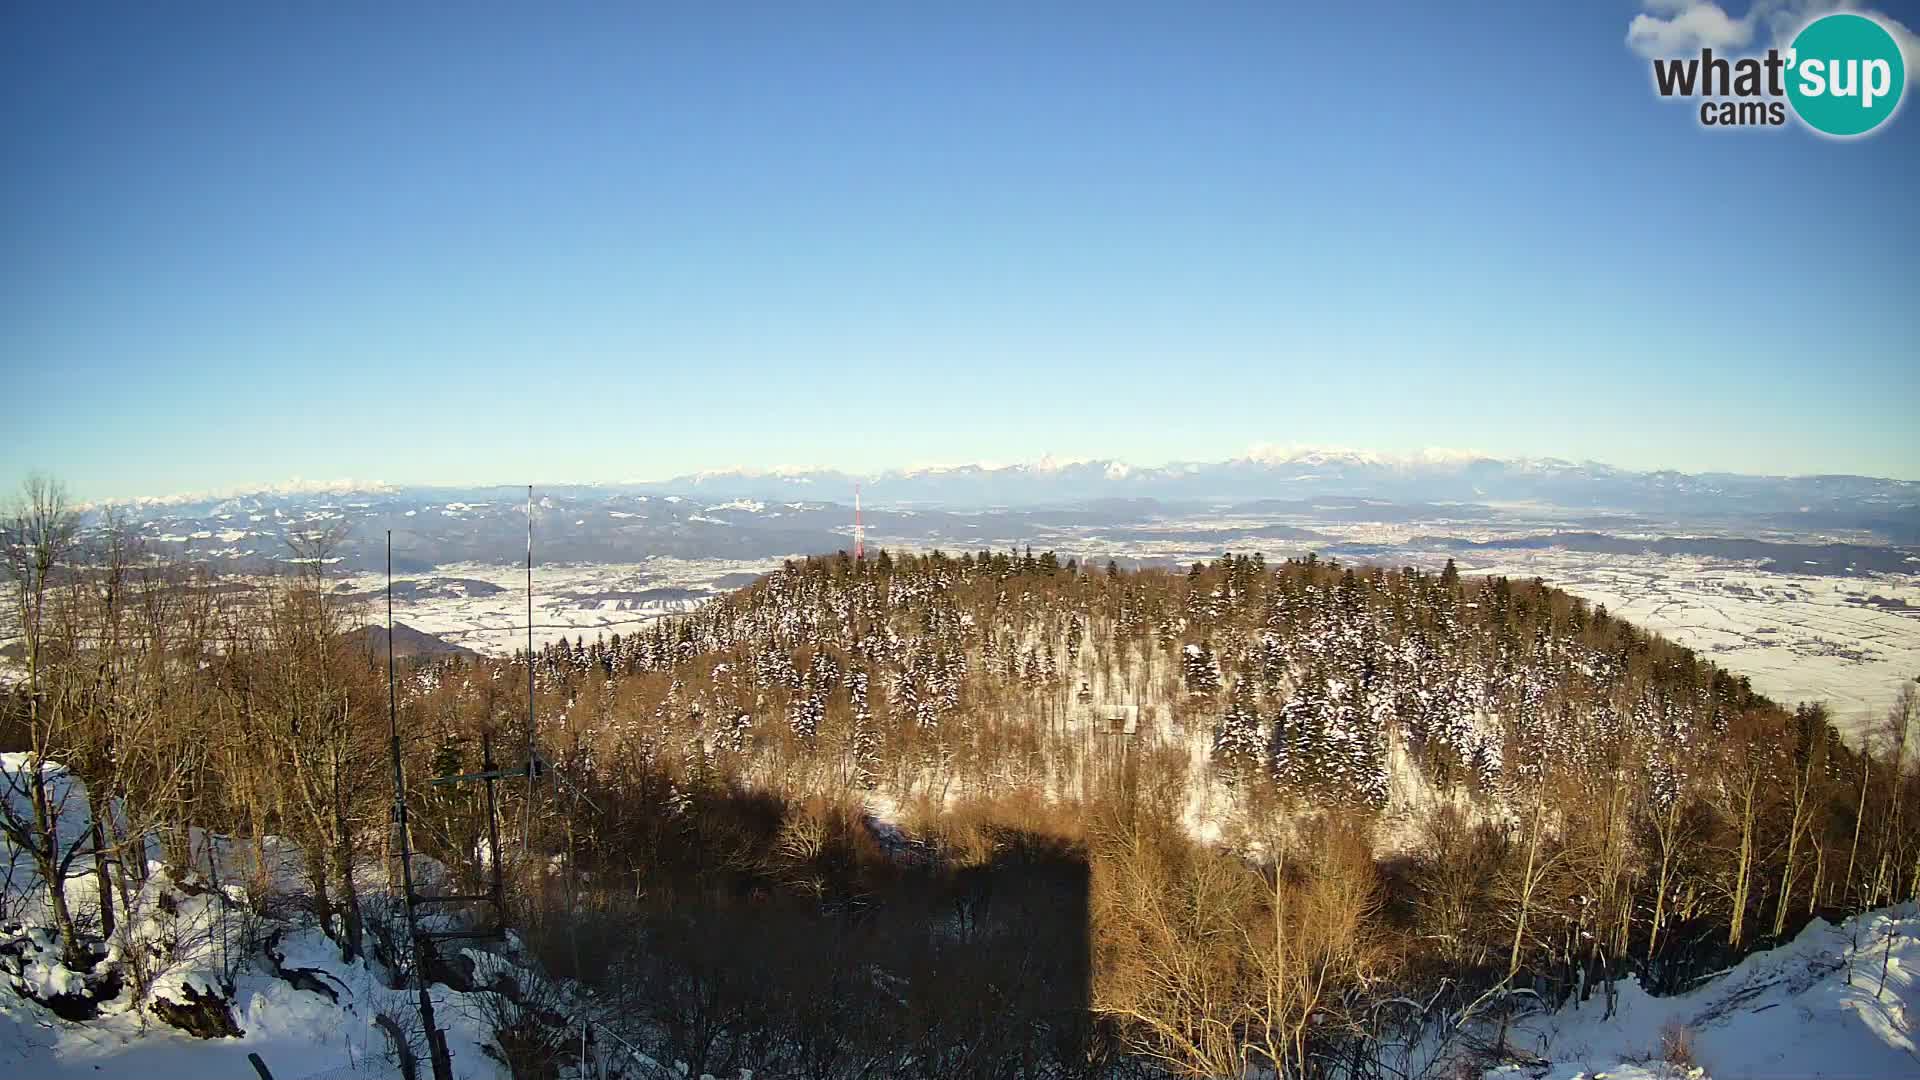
<point x="1845" y="74"/>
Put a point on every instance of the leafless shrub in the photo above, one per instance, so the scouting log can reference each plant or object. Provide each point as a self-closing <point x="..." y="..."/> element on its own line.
<point x="529" y="1028"/>
<point x="397" y="1016"/>
<point x="1676" y="1045"/>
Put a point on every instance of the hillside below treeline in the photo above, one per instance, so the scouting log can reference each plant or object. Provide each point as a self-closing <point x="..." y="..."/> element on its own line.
<point x="1358" y="687"/>
<point x="1002" y="814"/>
<point x="1547" y="795"/>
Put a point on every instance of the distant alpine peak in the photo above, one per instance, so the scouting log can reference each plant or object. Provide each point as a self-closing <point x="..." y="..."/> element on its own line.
<point x="944" y="467"/>
<point x="1295" y="471"/>
<point x="799" y="473"/>
<point x="1049" y="463"/>
<point x="1301" y="454"/>
<point x="1259" y="458"/>
<point x="1113" y="469"/>
<point x="295" y="486"/>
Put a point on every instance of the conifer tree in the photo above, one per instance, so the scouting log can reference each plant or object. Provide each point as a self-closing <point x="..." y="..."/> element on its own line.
<point x="1297" y="748"/>
<point x="1202" y="674"/>
<point x="1237" y="745"/>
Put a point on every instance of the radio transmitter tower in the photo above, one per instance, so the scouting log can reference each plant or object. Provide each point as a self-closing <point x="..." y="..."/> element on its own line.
<point x="859" y="530"/>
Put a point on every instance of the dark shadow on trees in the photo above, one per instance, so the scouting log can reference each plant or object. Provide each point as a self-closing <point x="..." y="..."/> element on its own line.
<point x="796" y="940"/>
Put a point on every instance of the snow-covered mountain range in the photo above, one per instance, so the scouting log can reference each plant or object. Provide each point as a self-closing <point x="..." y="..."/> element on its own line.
<point x="1277" y="500"/>
<point x="1287" y="473"/>
<point x="1264" y="472"/>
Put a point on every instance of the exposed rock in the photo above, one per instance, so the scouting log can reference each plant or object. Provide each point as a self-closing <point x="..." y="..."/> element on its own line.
<point x="207" y="1015"/>
<point x="301" y="978"/>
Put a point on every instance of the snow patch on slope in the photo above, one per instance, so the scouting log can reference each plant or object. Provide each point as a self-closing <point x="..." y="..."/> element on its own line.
<point x="1814" y="1008"/>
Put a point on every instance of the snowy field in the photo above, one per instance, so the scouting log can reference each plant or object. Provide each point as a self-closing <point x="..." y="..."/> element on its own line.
<point x="484" y="608"/>
<point x="1798" y="638"/>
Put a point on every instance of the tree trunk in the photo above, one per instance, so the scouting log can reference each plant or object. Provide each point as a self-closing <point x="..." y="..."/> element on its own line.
<point x="1860" y="815"/>
<point x="1742" y="884"/>
<point x="1665" y="879"/>
<point x="102" y="881"/>
<point x="1819" y="869"/>
<point x="1526" y="889"/>
<point x="349" y="895"/>
<point x="322" y="902"/>
<point x="48" y="863"/>
<point x="1786" y="879"/>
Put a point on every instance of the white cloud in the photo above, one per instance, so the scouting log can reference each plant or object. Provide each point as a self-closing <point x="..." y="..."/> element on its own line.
<point x="1679" y="27"/>
<point x="1688" y="27"/>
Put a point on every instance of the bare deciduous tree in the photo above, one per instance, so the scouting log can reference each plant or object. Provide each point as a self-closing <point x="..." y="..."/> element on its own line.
<point x="36" y="539"/>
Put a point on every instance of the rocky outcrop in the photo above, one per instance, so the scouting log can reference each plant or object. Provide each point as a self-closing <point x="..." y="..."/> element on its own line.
<point x="204" y="1013"/>
<point x="302" y="978"/>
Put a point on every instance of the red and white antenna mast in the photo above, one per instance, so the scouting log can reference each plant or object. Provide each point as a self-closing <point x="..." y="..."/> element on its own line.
<point x="859" y="530"/>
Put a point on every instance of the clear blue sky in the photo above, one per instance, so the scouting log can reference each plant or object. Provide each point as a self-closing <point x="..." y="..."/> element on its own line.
<point x="562" y="242"/>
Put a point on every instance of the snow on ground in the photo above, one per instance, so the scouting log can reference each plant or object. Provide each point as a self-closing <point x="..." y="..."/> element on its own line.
<point x="66" y="799"/>
<point x="1813" y="1009"/>
<point x="208" y="945"/>
<point x="201" y="940"/>
<point x="1648" y="1071"/>
<point x="570" y="600"/>
<point x="297" y="1032"/>
<point x="1797" y="637"/>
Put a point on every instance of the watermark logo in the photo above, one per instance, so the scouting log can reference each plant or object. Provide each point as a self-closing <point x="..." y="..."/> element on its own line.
<point x="1848" y="74"/>
<point x="1843" y="76"/>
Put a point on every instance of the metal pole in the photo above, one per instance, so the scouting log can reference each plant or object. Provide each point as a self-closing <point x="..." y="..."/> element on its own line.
<point x="533" y="759"/>
<point x="442" y="1063"/>
<point x="529" y="626"/>
<point x="493" y="826"/>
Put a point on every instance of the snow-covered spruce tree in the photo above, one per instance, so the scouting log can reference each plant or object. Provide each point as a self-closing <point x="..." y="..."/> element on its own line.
<point x="1370" y="765"/>
<point x="1298" y="747"/>
<point x="866" y="740"/>
<point x="1238" y="744"/>
<point x="805" y="711"/>
<point x="1031" y="676"/>
<point x="1197" y="666"/>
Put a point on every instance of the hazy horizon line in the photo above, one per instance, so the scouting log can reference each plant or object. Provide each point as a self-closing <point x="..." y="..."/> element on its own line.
<point x="1259" y="454"/>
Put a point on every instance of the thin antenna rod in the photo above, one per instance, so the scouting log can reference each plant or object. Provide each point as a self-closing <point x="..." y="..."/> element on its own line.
<point x="442" y="1063"/>
<point x="530" y="629"/>
<point x="533" y="757"/>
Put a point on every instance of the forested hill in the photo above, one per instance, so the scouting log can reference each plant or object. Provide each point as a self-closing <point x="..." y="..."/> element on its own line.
<point x="1564" y="792"/>
<point x="941" y="670"/>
